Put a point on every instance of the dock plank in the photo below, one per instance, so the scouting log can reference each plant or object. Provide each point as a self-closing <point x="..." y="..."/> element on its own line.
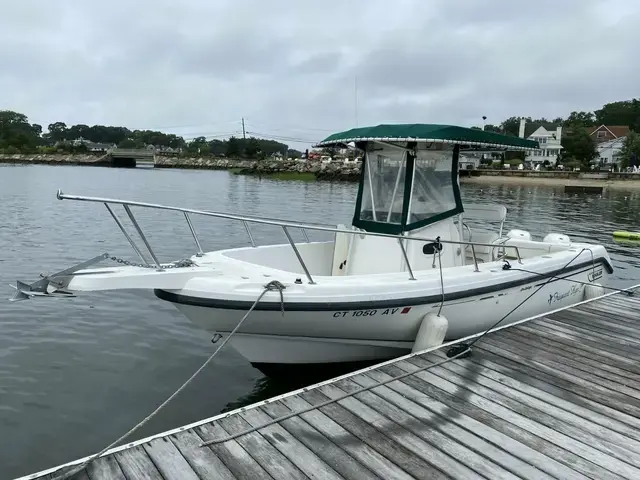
<point x="369" y="434"/>
<point x="553" y="325"/>
<point x="577" y="390"/>
<point x="402" y="435"/>
<point x="568" y="343"/>
<point x="531" y="460"/>
<point x="615" y="316"/>
<point x="567" y="322"/>
<point x="466" y="374"/>
<point x="429" y="427"/>
<point x="550" y="395"/>
<point x="105" y="468"/>
<point x="235" y="458"/>
<point x="590" y="359"/>
<point x="609" y="397"/>
<point x="347" y="441"/>
<point x="201" y="459"/>
<point x="289" y="446"/>
<point x="334" y="456"/>
<point x="81" y="475"/>
<point x="565" y="365"/>
<point x="555" y="397"/>
<point x="168" y="460"/>
<point x="135" y="463"/>
<point x="263" y="452"/>
<point x="524" y="432"/>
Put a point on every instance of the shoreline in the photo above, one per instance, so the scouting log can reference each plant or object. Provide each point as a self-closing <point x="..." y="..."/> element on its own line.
<point x="335" y="171"/>
<point x="282" y="169"/>
<point x="631" y="184"/>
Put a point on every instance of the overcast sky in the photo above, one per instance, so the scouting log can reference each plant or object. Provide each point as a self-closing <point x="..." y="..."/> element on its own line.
<point x="195" y="67"/>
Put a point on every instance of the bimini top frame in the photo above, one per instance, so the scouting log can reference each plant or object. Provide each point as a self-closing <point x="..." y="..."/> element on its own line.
<point x="429" y="132"/>
<point x="409" y="176"/>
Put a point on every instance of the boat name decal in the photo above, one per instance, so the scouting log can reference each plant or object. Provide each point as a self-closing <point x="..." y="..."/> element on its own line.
<point x="370" y="313"/>
<point x="556" y="297"/>
<point x="595" y="274"/>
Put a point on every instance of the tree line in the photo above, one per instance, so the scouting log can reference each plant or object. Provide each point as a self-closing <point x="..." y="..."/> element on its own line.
<point x="579" y="148"/>
<point x="17" y="135"/>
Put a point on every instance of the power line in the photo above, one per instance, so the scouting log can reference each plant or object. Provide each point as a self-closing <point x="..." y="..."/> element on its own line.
<point x="288" y="127"/>
<point x="283" y="137"/>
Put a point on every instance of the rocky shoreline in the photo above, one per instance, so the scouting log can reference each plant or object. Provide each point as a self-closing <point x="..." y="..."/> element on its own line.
<point x="51" y="159"/>
<point x="321" y="171"/>
<point x="334" y="171"/>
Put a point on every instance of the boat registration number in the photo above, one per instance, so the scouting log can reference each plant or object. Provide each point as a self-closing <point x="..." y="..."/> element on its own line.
<point x="370" y="313"/>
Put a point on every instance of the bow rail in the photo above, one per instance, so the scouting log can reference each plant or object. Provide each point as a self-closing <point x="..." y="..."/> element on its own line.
<point x="247" y="220"/>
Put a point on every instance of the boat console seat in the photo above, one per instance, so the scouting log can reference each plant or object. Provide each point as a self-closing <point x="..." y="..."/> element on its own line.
<point x="485" y="215"/>
<point x="484" y="253"/>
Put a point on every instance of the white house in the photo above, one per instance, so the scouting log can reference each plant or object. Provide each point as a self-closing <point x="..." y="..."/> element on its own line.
<point x="609" y="140"/>
<point x="549" y="141"/>
<point x="609" y="152"/>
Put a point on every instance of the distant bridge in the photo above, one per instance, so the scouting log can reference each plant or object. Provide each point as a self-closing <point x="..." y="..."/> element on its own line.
<point x="132" y="157"/>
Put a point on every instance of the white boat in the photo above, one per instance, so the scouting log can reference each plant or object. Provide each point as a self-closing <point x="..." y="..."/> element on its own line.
<point x="412" y="250"/>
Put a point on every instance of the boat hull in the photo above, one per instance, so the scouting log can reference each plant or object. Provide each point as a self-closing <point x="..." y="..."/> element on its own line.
<point x="322" y="336"/>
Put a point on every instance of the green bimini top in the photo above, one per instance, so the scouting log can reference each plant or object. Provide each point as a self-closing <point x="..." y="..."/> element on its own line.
<point x="423" y="132"/>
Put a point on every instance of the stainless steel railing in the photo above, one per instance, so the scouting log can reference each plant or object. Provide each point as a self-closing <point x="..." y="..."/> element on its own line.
<point x="247" y="221"/>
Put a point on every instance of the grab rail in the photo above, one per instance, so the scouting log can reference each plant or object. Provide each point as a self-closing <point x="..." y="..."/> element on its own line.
<point x="247" y="220"/>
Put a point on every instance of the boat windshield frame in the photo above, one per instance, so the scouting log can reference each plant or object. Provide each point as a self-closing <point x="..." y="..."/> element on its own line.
<point x="386" y="173"/>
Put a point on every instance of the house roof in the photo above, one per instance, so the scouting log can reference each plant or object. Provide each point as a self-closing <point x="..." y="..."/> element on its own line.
<point x="531" y="127"/>
<point x="429" y="133"/>
<point x="616" y="130"/>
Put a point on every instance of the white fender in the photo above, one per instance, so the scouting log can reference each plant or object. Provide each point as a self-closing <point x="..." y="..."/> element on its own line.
<point x="593" y="290"/>
<point x="431" y="333"/>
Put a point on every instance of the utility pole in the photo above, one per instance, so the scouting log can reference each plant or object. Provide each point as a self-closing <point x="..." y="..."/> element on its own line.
<point x="244" y="133"/>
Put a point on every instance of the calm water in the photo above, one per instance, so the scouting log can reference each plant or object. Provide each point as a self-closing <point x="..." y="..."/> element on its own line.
<point x="77" y="373"/>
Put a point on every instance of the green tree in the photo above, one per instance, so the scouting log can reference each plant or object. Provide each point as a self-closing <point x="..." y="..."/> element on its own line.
<point x="511" y="126"/>
<point x="199" y="146"/>
<point x="252" y="147"/>
<point x="630" y="147"/>
<point x="79" y="131"/>
<point x="17" y="132"/>
<point x="57" y="132"/>
<point x="127" y="143"/>
<point x="494" y="128"/>
<point x="579" y="145"/>
<point x="217" y="147"/>
<point x="233" y="147"/>
<point x="584" y="119"/>
<point x="625" y="112"/>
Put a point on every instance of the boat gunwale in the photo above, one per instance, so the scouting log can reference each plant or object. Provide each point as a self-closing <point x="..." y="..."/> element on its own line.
<point x="322" y="306"/>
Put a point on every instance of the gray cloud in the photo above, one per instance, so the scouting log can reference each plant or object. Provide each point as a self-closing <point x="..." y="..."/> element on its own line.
<point x="290" y="68"/>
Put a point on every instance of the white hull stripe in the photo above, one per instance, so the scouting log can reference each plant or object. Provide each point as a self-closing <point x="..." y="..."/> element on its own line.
<point x="392" y="303"/>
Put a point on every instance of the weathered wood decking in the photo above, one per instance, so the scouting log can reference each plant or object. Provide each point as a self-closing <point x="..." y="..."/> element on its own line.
<point x="554" y="397"/>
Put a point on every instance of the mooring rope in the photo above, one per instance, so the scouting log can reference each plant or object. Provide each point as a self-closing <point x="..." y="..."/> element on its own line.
<point x="463" y="352"/>
<point x="271" y="286"/>
<point x="441" y="278"/>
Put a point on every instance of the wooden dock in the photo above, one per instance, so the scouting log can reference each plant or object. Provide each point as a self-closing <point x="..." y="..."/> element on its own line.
<point x="552" y="397"/>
